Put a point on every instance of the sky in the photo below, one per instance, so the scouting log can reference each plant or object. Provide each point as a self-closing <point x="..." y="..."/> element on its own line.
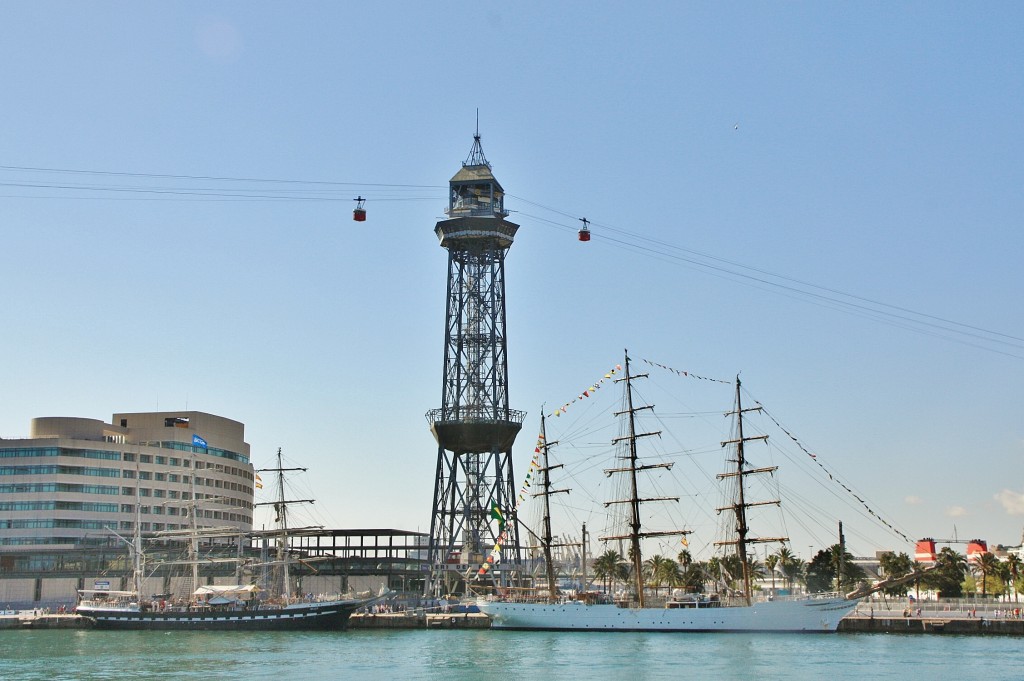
<point x="822" y="197"/>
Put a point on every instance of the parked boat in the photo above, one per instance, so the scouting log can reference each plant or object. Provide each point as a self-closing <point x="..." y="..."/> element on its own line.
<point x="221" y="607"/>
<point x="736" y="612"/>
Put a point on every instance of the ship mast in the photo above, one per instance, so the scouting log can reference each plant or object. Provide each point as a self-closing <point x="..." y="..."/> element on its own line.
<point x="634" y="500"/>
<point x="193" y="543"/>
<point x="546" y="537"/>
<point x="281" y="516"/>
<point x="138" y="566"/>
<point x="741" y="504"/>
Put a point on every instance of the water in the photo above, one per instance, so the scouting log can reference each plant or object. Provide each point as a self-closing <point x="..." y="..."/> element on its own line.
<point x="493" y="655"/>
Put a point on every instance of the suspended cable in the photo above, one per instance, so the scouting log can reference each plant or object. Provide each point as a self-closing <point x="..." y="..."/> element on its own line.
<point x="830" y="297"/>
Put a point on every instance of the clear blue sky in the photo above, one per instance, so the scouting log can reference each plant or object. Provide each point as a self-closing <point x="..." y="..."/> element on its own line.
<point x="869" y="149"/>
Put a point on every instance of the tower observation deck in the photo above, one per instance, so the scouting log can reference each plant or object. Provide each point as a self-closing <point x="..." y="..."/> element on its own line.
<point x="474" y="428"/>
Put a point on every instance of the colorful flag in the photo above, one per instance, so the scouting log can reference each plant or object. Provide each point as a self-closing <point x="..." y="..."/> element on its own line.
<point x="259" y="481"/>
<point x="496" y="514"/>
<point x="198" y="442"/>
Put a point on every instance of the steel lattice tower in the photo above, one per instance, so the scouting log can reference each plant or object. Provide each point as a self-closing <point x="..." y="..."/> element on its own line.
<point x="474" y="427"/>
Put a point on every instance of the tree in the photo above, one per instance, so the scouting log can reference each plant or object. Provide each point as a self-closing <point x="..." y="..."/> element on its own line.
<point x="1005" y="577"/>
<point x="792" y="567"/>
<point x="694" y="576"/>
<point x="669" y="574"/>
<point x="659" y="570"/>
<point x="987" y="564"/>
<point x="822" y="570"/>
<point x="610" y="567"/>
<point x="756" y="569"/>
<point x="732" y="570"/>
<point x="948" y="576"/>
<point x="771" y="562"/>
<point x="713" y="571"/>
<point x="1013" y="564"/>
<point x="896" y="565"/>
<point x="919" y="574"/>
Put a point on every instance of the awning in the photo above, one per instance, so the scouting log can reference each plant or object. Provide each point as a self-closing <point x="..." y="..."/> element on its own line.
<point x="227" y="591"/>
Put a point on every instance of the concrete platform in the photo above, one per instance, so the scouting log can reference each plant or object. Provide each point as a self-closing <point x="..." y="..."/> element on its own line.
<point x="33" y="619"/>
<point x="974" y="626"/>
<point x="412" y="620"/>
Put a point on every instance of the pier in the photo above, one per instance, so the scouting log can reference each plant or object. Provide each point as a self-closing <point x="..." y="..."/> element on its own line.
<point x="41" y="619"/>
<point x="933" y="625"/>
<point x="952" y="623"/>
<point x="420" y="620"/>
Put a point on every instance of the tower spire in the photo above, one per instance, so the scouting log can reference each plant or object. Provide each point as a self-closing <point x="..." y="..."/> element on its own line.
<point x="476" y="154"/>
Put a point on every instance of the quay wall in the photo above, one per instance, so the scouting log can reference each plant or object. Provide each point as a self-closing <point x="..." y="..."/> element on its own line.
<point x="35" y="619"/>
<point x="933" y="625"/>
<point x="419" y="620"/>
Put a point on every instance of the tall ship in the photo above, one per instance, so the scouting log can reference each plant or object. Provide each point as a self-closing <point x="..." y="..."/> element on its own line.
<point x="740" y="611"/>
<point x="243" y="606"/>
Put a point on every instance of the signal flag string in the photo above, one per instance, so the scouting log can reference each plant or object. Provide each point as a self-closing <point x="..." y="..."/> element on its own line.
<point x="687" y="374"/>
<point x="495" y="554"/>
<point x="588" y="392"/>
<point x="496" y="514"/>
<point x="814" y="458"/>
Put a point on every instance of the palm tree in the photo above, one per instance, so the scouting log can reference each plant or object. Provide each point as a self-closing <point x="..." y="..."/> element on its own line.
<point x="713" y="571"/>
<point x="918" y="570"/>
<point x="987" y="564"/>
<point x="609" y="567"/>
<point x="771" y="562"/>
<point x="792" y="567"/>
<point x="732" y="569"/>
<point x="695" y="576"/>
<point x="656" y="568"/>
<point x="1013" y="563"/>
<point x="756" y="569"/>
<point x="669" y="574"/>
<point x="1005" y="577"/>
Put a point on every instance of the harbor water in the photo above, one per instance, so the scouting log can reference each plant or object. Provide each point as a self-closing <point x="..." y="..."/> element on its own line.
<point x="455" y="655"/>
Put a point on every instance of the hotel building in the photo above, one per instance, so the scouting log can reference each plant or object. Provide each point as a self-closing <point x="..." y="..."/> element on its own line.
<point x="75" y="481"/>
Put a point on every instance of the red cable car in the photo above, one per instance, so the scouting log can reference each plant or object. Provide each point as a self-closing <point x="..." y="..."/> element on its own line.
<point x="585" y="230"/>
<point x="359" y="214"/>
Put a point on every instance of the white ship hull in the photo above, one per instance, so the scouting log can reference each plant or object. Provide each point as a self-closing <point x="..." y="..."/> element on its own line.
<point x="808" y="615"/>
